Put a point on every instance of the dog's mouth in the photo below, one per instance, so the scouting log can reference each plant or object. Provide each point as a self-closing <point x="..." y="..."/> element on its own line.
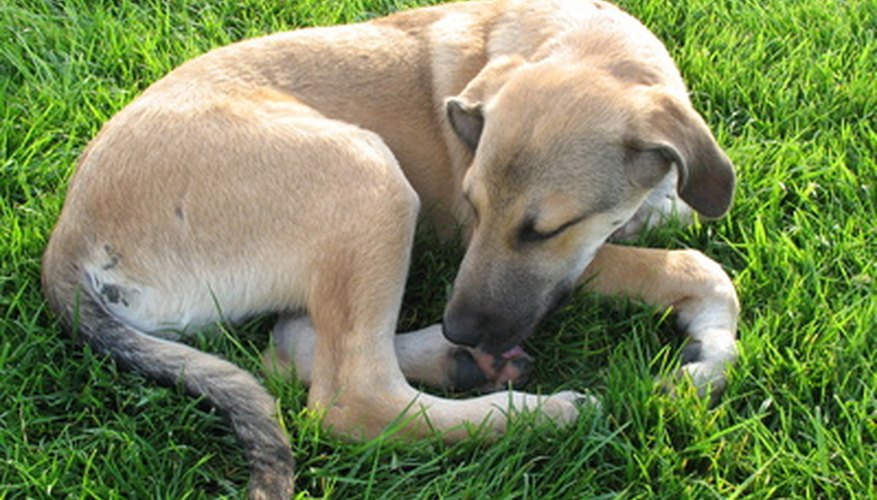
<point x="509" y="349"/>
<point x="515" y="352"/>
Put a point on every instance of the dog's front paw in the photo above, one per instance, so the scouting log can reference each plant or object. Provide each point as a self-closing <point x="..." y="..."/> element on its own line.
<point x="707" y="378"/>
<point x="474" y="369"/>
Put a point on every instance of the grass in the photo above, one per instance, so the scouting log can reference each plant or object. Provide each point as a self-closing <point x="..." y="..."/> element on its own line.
<point x="788" y="87"/>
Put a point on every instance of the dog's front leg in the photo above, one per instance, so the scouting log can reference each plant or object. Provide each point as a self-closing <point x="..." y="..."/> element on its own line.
<point x="694" y="286"/>
<point x="425" y="356"/>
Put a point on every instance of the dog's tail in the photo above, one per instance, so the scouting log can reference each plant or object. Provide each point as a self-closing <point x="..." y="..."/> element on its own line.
<point x="230" y="389"/>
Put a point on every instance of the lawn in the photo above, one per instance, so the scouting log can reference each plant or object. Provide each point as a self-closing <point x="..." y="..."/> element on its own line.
<point x="789" y="88"/>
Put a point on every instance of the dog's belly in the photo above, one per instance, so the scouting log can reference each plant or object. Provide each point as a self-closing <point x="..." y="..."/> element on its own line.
<point x="182" y="297"/>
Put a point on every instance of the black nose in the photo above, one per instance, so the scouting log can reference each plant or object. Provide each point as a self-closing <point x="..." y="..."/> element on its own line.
<point x="464" y="328"/>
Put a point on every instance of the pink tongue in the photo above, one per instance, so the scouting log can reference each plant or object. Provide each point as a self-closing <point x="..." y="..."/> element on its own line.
<point x="514" y="352"/>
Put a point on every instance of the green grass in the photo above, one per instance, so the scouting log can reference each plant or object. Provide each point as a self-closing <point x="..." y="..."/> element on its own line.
<point x="789" y="88"/>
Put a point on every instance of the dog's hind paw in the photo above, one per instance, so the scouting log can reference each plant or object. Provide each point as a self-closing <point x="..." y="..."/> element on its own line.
<point x="474" y="369"/>
<point x="564" y="407"/>
<point x="584" y="400"/>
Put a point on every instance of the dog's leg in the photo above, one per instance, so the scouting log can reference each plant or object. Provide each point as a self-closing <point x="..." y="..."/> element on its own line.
<point x="295" y="338"/>
<point x="661" y="205"/>
<point x="425" y="356"/>
<point x="694" y="286"/>
<point x="356" y="281"/>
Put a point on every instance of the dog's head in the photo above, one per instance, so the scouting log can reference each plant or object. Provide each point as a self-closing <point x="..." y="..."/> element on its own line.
<point x="563" y="156"/>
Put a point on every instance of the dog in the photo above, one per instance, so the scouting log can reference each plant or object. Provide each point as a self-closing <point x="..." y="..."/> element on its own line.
<point x="286" y="174"/>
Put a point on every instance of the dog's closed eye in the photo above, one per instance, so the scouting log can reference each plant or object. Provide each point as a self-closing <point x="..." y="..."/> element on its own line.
<point x="529" y="233"/>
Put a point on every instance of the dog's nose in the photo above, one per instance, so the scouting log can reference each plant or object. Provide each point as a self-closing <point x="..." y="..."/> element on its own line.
<point x="463" y="328"/>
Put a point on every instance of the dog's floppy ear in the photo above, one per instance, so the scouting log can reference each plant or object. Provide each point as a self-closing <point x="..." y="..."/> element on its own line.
<point x="465" y="111"/>
<point x="670" y="127"/>
<point x="466" y="120"/>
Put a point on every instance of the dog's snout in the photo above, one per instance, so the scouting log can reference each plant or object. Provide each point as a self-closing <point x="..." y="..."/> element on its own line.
<point x="492" y="332"/>
<point x="464" y="328"/>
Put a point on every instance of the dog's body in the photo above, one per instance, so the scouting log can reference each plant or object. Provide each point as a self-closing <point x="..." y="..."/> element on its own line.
<point x="286" y="174"/>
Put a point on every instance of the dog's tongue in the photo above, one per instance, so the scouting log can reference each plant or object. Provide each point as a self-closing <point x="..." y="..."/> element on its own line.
<point x="514" y="352"/>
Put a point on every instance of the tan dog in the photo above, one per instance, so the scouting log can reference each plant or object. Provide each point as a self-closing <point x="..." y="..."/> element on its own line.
<point x="286" y="173"/>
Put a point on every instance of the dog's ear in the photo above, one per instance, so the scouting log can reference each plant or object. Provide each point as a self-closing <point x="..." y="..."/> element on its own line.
<point x="465" y="111"/>
<point x="669" y="127"/>
<point x="466" y="120"/>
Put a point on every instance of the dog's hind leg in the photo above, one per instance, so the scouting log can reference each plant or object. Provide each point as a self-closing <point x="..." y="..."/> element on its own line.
<point x="425" y="356"/>
<point x="696" y="288"/>
<point x="356" y="281"/>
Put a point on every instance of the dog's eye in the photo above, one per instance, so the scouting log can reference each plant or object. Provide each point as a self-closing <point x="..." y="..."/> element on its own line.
<point x="529" y="234"/>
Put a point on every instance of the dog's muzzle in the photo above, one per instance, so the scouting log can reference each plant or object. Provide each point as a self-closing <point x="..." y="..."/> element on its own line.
<point x="497" y="331"/>
<point x="492" y="332"/>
